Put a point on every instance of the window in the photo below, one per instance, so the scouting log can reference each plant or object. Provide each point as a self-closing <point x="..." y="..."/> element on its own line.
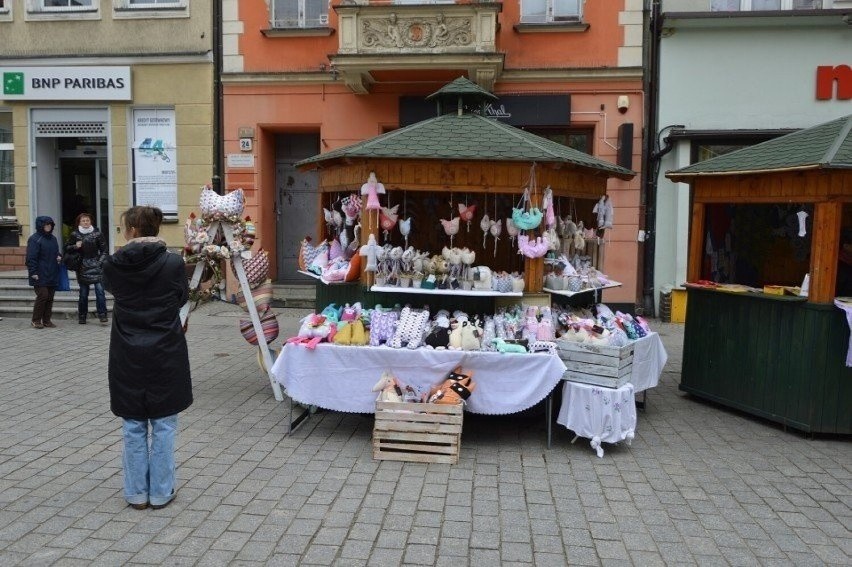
<point x="763" y="5"/>
<point x="62" y="5"/>
<point x="7" y="171"/>
<point x="4" y="6"/>
<point x="580" y="139"/>
<point x="150" y="4"/>
<point x="547" y="11"/>
<point x="299" y="13"/>
<point x="135" y="9"/>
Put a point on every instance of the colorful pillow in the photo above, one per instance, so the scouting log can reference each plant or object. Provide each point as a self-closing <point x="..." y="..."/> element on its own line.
<point x="213" y="205"/>
<point x="268" y="324"/>
<point x="308" y="252"/>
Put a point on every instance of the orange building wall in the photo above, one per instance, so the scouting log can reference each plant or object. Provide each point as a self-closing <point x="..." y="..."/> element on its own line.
<point x="342" y="117"/>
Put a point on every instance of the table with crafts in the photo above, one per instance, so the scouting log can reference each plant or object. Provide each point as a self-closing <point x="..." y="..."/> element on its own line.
<point x="341" y="378"/>
<point x="609" y="414"/>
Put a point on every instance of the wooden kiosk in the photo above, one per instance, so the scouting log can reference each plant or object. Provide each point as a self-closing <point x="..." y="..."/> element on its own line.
<point x="458" y="157"/>
<point x="780" y="357"/>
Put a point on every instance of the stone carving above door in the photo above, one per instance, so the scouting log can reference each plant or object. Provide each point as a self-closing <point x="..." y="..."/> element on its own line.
<point x="393" y="32"/>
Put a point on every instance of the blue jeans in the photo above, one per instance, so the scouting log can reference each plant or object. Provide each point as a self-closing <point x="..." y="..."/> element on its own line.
<point x="149" y="472"/>
<point x="83" y="303"/>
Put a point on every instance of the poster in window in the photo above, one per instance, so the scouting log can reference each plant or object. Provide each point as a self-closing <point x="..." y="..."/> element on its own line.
<point x="155" y="159"/>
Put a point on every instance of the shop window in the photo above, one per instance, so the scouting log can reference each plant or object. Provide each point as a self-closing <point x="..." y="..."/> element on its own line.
<point x="62" y="5"/>
<point x="550" y="11"/>
<point x="7" y="171"/>
<point x="299" y="13"/>
<point x="757" y="245"/>
<point x="764" y="5"/>
<point x="580" y="139"/>
<point x="125" y="9"/>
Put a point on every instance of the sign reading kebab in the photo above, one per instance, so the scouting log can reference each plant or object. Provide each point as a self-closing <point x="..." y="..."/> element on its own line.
<point x="65" y="83"/>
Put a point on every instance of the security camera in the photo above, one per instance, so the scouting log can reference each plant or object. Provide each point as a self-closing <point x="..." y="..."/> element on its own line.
<point x="623" y="103"/>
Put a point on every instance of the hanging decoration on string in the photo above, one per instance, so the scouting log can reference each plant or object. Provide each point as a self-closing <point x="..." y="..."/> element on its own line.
<point x="405" y="223"/>
<point x="451" y="226"/>
<point x="525" y="216"/>
<point x="466" y="212"/>
<point x="372" y="189"/>
<point x="496" y="227"/>
<point x="485" y="223"/>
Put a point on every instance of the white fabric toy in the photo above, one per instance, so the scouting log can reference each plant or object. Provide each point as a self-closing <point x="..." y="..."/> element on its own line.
<point x="370" y="250"/>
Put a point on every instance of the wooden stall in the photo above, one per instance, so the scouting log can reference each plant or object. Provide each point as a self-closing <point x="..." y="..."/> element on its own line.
<point x="780" y="357"/>
<point x="460" y="156"/>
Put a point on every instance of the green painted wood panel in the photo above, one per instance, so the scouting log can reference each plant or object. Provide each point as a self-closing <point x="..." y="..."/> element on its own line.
<point x="776" y="357"/>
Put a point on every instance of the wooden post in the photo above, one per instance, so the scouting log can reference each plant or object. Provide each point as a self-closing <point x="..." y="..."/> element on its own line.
<point x="825" y="248"/>
<point x="696" y="243"/>
<point x="369" y="225"/>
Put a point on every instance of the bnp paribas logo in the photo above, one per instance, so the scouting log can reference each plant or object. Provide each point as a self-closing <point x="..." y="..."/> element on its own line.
<point x="13" y="83"/>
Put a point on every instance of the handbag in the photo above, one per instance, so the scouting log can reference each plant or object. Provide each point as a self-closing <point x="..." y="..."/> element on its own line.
<point x="72" y="260"/>
<point x="64" y="282"/>
<point x="268" y="323"/>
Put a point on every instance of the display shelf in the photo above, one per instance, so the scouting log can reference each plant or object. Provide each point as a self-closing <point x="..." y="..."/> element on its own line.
<point x="567" y="293"/>
<point x="468" y="292"/>
<point x="319" y="279"/>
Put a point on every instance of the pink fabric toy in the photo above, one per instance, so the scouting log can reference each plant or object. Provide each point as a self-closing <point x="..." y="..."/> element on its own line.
<point x="466" y="213"/>
<point x="533" y="249"/>
<point x="372" y="189"/>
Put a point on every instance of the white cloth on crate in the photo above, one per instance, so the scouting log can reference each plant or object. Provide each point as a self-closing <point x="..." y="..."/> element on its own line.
<point x="649" y="358"/>
<point x="339" y="378"/>
<point x="847" y="308"/>
<point x="599" y="414"/>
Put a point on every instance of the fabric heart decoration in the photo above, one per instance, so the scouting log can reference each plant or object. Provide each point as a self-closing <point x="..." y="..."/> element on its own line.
<point x="261" y="297"/>
<point x="256" y="268"/>
<point x="215" y="206"/>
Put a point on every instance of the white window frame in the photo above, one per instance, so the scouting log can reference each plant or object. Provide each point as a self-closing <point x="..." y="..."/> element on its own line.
<point x="746" y="5"/>
<point x="6" y="11"/>
<point x="549" y="18"/>
<point x="301" y="24"/>
<point x="9" y="147"/>
<point x="36" y="10"/>
<point x="124" y="10"/>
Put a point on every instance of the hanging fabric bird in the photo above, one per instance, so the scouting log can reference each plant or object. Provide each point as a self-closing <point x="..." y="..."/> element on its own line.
<point x="405" y="229"/>
<point x="451" y="227"/>
<point x="496" y="229"/>
<point x="329" y="219"/>
<point x="511" y="229"/>
<point x="547" y="205"/>
<point x="485" y="225"/>
<point x="388" y="218"/>
<point x="466" y="213"/>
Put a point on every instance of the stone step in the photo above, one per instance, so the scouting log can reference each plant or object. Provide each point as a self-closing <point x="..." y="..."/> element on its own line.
<point x="294" y="296"/>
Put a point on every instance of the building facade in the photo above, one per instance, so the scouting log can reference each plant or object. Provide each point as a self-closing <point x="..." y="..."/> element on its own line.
<point x="301" y="77"/>
<point x="732" y="74"/>
<point x="122" y="118"/>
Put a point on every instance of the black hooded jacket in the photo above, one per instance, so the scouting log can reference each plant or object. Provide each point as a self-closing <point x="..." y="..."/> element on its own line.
<point x="42" y="250"/>
<point x="148" y="359"/>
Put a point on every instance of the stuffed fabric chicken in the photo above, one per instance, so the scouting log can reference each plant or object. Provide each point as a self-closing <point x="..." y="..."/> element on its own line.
<point x="603" y="210"/>
<point x="466" y="213"/>
<point x="485" y="225"/>
<point x="405" y="229"/>
<point x="388" y="218"/>
<point x="451" y="227"/>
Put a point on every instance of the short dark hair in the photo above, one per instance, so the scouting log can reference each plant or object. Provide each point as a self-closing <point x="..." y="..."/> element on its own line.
<point x="80" y="217"/>
<point x="146" y="220"/>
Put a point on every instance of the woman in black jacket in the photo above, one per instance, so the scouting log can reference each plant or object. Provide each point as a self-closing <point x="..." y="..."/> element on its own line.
<point x="88" y="248"/>
<point x="43" y="268"/>
<point x="149" y="379"/>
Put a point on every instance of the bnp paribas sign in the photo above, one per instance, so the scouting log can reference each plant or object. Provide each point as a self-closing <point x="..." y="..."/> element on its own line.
<point x="65" y="83"/>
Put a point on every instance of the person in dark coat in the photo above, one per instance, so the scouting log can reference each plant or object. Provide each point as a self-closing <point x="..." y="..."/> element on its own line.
<point x="43" y="260"/>
<point x="88" y="246"/>
<point x="149" y="378"/>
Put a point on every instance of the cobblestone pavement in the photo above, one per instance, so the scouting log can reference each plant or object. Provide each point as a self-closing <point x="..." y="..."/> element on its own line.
<point x="700" y="484"/>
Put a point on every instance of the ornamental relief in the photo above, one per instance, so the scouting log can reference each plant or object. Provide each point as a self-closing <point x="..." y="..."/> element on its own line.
<point x="421" y="32"/>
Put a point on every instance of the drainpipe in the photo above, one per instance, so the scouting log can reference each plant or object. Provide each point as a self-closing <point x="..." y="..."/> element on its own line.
<point x="218" y="143"/>
<point x="650" y="171"/>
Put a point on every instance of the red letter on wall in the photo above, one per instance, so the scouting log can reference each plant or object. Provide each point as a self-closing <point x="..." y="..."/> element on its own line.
<point x="826" y="77"/>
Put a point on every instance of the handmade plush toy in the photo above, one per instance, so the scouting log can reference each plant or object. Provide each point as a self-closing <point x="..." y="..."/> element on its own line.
<point x="481" y="278"/>
<point x="389" y="387"/>
<point x="511" y="230"/>
<point x="372" y="189"/>
<point x="603" y="210"/>
<point x="546" y="347"/>
<point x="533" y="249"/>
<point x="439" y="336"/>
<point x="409" y="329"/>
<point x="485" y="224"/>
<point x="309" y="252"/>
<point x="370" y="250"/>
<point x="547" y="205"/>
<point x="496" y="229"/>
<point x="351" y="207"/>
<point x="405" y="229"/>
<point x="388" y="218"/>
<point x="503" y="346"/>
<point x="315" y="328"/>
<point x="470" y="336"/>
<point x="466" y="213"/>
<point x="451" y="227"/>
<point x="382" y="325"/>
<point x="455" y="389"/>
<point x="545" y="326"/>
<point x="530" y="324"/>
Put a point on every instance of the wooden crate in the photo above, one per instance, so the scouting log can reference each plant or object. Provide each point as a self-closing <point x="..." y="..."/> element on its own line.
<point x="607" y="366"/>
<point x="420" y="433"/>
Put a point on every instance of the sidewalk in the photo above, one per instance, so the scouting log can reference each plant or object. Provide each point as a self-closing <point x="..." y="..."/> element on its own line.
<point x="700" y="484"/>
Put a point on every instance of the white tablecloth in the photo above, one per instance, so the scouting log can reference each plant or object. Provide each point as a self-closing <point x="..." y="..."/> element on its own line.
<point x="340" y="378"/>
<point x="649" y="358"/>
<point x="600" y="414"/>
